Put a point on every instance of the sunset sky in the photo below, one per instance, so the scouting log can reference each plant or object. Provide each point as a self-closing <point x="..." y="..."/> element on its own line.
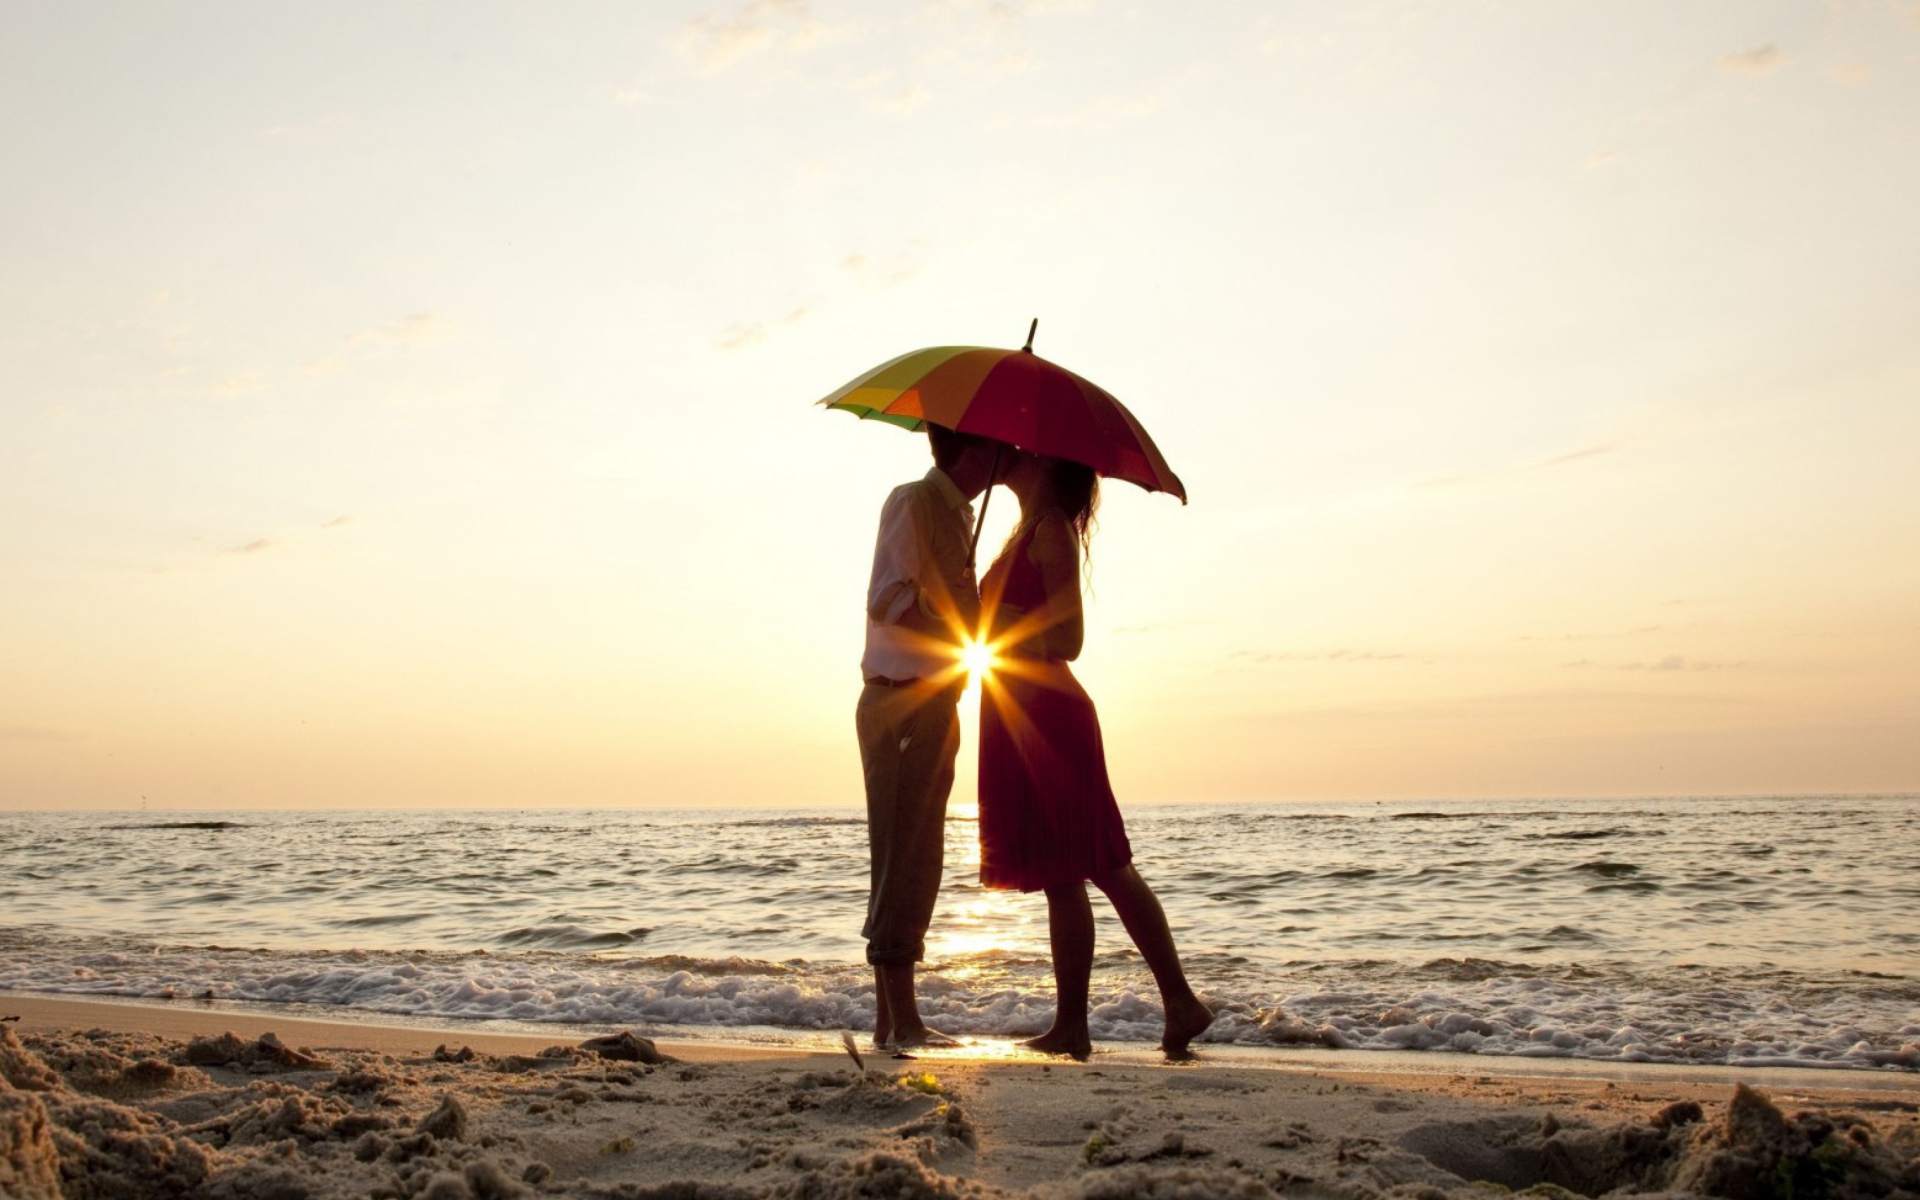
<point x="412" y="405"/>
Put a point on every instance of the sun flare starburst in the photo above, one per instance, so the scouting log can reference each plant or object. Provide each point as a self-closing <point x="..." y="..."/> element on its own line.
<point x="978" y="659"/>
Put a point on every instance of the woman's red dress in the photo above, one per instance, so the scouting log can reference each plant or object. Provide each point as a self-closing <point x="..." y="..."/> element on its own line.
<point x="1047" y="813"/>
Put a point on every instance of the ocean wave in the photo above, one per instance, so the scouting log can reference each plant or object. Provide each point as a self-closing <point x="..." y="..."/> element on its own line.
<point x="179" y="825"/>
<point x="1642" y="912"/>
<point x="566" y="935"/>
<point x="1463" y="1006"/>
<point x="1609" y="870"/>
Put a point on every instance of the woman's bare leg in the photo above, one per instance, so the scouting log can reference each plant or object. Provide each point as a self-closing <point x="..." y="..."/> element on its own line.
<point x="1146" y="924"/>
<point x="1070" y="930"/>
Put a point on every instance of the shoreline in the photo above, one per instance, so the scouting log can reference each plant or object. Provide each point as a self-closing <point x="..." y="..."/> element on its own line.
<point x="394" y="1035"/>
<point x="183" y="1019"/>
<point x="156" y="1098"/>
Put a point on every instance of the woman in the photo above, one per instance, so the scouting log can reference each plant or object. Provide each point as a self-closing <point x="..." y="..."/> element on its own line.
<point x="1048" y="821"/>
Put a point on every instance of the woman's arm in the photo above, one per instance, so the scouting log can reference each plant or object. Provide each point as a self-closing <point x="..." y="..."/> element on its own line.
<point x="1056" y="553"/>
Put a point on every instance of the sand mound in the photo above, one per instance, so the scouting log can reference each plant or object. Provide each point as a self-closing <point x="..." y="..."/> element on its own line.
<point x="29" y="1162"/>
<point x="104" y="1116"/>
<point x="265" y="1053"/>
<point x="1754" y="1151"/>
<point x="22" y="1069"/>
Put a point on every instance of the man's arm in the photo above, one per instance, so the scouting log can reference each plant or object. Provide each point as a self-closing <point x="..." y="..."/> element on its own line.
<point x="892" y="590"/>
<point x="908" y="588"/>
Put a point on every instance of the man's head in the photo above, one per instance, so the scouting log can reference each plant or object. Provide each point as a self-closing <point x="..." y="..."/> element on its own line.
<point x="966" y="458"/>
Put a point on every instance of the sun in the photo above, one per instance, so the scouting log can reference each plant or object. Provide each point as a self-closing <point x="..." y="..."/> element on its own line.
<point x="978" y="659"/>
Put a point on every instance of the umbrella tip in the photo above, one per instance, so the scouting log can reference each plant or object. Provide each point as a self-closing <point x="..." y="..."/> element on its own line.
<point x="1028" y="348"/>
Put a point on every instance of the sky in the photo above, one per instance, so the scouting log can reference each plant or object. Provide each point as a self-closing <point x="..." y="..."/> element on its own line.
<point x="412" y="405"/>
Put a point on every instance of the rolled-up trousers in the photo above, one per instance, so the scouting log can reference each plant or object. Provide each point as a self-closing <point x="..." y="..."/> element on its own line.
<point x="909" y="738"/>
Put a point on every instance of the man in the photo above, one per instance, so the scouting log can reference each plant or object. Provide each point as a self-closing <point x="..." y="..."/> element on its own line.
<point x="922" y="603"/>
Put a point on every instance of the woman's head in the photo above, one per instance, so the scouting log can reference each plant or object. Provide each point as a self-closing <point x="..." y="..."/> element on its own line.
<point x="1048" y="484"/>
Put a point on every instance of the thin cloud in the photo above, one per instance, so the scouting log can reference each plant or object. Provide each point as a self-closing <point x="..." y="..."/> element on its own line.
<point x="638" y="97"/>
<point x="893" y="93"/>
<point x="748" y="333"/>
<point x="337" y="522"/>
<point x="1006" y="12"/>
<point x="718" y="43"/>
<point x="256" y="546"/>
<point x="420" y="329"/>
<point x="31" y="733"/>
<point x="1851" y="74"/>
<point x="1578" y="455"/>
<point x="814" y="176"/>
<point x="1105" y="113"/>
<point x="995" y="12"/>
<point x="1601" y="160"/>
<point x="243" y="384"/>
<point x="1333" y="656"/>
<point x="1641" y="631"/>
<point x="890" y="270"/>
<point x="1559" y="460"/>
<point x="1761" y="60"/>
<point x="1678" y="662"/>
<point x="905" y="102"/>
<point x="870" y="271"/>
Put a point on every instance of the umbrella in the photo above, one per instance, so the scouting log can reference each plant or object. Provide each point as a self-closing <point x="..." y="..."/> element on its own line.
<point x="1013" y="396"/>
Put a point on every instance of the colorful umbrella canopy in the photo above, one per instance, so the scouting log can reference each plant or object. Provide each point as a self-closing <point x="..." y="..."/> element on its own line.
<point x="1013" y="396"/>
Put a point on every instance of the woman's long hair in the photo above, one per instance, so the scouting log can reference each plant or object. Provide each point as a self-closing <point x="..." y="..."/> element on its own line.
<point x="1074" y="489"/>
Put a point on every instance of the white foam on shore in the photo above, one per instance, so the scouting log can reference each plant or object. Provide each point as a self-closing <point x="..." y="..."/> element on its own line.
<point x="1645" y="1021"/>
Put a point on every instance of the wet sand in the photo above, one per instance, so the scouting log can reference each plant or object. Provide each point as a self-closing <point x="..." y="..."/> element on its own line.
<point x="105" y="1100"/>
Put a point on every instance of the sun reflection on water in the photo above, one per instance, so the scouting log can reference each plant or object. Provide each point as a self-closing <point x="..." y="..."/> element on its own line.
<point x="980" y="931"/>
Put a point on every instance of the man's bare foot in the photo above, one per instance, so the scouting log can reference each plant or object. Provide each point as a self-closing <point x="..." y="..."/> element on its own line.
<point x="1078" y="1047"/>
<point x="1185" y="1022"/>
<point x="923" y="1038"/>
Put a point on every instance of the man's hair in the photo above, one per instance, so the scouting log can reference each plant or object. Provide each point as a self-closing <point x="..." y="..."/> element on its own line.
<point x="948" y="445"/>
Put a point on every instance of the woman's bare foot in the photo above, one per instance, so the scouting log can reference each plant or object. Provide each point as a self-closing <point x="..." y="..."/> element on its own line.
<point x="1078" y="1047"/>
<point x="1186" y="1021"/>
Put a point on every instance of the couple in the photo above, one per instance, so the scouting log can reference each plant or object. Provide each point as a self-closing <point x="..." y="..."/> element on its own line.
<point x="1048" y="821"/>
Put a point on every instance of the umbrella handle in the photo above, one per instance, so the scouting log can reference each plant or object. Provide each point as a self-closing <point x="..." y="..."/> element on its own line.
<point x="995" y="473"/>
<point x="980" y="519"/>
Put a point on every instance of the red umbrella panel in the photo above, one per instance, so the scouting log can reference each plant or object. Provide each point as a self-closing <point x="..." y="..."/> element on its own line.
<point x="1013" y="396"/>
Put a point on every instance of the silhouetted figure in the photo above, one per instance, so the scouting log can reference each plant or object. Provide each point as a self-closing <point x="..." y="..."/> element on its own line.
<point x="922" y="604"/>
<point x="1048" y="820"/>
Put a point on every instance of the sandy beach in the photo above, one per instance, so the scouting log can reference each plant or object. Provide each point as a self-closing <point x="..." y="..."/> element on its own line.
<point x="108" y="1100"/>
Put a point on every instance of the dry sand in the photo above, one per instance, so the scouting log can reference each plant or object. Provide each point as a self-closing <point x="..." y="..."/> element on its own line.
<point x="122" y="1101"/>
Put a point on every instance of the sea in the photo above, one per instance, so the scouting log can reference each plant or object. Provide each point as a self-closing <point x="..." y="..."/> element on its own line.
<point x="1764" y="932"/>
